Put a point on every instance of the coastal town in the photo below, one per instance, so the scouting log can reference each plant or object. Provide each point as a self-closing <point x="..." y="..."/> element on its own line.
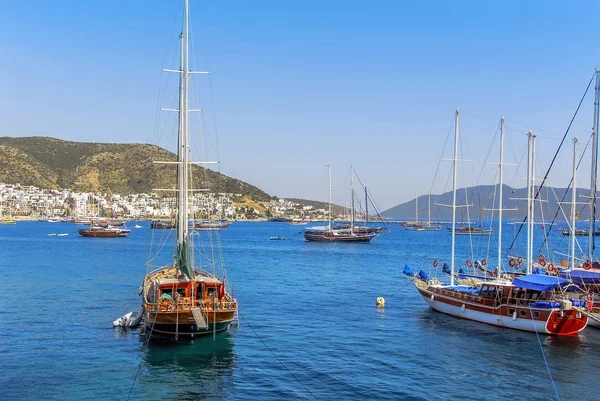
<point x="24" y="202"/>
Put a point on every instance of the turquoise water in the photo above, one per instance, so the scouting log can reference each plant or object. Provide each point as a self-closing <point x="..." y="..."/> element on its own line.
<point x="311" y="304"/>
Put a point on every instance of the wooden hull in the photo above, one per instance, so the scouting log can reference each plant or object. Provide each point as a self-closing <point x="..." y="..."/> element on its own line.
<point x="545" y="321"/>
<point x="102" y="234"/>
<point x="162" y="224"/>
<point x="422" y="228"/>
<point x="484" y="232"/>
<point x="368" y="230"/>
<point x="182" y="324"/>
<point x="199" y="226"/>
<point x="330" y="237"/>
<point x="578" y="233"/>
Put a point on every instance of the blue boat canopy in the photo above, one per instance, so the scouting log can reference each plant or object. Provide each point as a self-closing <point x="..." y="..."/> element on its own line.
<point x="583" y="276"/>
<point x="407" y="271"/>
<point x="423" y="275"/>
<point x="446" y="268"/>
<point x="539" y="283"/>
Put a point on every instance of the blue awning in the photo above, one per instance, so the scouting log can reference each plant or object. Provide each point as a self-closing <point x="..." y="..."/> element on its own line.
<point x="423" y="275"/>
<point x="539" y="283"/>
<point x="446" y="268"/>
<point x="583" y="276"/>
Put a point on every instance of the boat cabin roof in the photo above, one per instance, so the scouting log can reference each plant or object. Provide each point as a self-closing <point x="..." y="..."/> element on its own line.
<point x="185" y="280"/>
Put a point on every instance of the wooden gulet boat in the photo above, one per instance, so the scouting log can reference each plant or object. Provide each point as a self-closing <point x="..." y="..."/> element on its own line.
<point x="346" y="234"/>
<point x="180" y="300"/>
<point x="211" y="225"/>
<point x="421" y="226"/>
<point x="534" y="303"/>
<point x="162" y="224"/>
<point x="103" y="231"/>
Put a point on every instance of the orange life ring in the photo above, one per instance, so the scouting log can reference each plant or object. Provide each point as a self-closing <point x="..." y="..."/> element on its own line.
<point x="436" y="263"/>
<point x="520" y="259"/>
<point x="469" y="263"/>
<point x="512" y="262"/>
<point x="542" y="261"/>
<point x="484" y="262"/>
<point x="587" y="265"/>
<point x="551" y="267"/>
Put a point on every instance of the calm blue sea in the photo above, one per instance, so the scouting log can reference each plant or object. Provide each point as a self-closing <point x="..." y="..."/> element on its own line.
<point x="308" y="306"/>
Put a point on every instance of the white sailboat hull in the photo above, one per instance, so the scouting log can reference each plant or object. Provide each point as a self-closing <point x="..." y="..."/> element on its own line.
<point x="489" y="318"/>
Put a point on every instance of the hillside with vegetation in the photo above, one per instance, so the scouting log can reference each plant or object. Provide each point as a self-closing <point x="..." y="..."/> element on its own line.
<point x="52" y="163"/>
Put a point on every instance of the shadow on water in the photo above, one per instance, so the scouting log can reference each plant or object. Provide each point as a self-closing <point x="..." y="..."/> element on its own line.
<point x="198" y="369"/>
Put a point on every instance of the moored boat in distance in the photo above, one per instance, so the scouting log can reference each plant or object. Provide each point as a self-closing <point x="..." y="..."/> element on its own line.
<point x="211" y="225"/>
<point x="279" y="219"/>
<point x="579" y="232"/>
<point x="421" y="226"/>
<point x="326" y="235"/>
<point x="103" y="232"/>
<point x="297" y="222"/>
<point x="344" y="233"/>
<point x="162" y="224"/>
<point x="468" y="230"/>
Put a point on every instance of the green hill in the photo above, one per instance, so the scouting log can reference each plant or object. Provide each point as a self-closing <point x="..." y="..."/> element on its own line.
<point x="85" y="166"/>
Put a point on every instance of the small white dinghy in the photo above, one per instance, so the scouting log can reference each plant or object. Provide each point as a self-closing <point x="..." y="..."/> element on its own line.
<point x="129" y="320"/>
<point x="137" y="226"/>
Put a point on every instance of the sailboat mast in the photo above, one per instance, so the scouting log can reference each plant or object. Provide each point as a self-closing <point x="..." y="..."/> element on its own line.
<point x="594" y="172"/>
<point x="352" y="197"/>
<point x="329" y="170"/>
<point x="530" y="200"/>
<point x="454" y="163"/>
<point x="183" y="149"/>
<point x="573" y="202"/>
<point x="480" y="210"/>
<point x="429" y="209"/>
<point x="416" y="207"/>
<point x="501" y="182"/>
<point x="366" y="207"/>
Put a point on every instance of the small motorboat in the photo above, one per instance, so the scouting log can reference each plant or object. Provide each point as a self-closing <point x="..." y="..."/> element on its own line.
<point x="129" y="320"/>
<point x="278" y="238"/>
<point x="137" y="226"/>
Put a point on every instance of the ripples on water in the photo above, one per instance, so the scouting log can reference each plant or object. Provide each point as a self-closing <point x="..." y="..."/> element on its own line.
<point x="312" y="304"/>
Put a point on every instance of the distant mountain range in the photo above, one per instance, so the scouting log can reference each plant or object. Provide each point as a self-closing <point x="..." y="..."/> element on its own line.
<point x="545" y="210"/>
<point x="88" y="167"/>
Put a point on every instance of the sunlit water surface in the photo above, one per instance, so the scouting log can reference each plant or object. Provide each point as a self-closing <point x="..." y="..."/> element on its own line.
<point x="308" y="306"/>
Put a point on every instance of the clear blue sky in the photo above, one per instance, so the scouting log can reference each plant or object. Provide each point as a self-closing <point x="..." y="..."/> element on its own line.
<point x="298" y="85"/>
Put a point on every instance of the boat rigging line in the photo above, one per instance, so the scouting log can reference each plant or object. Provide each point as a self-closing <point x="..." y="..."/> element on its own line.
<point x="547" y="233"/>
<point x="279" y="360"/>
<point x="539" y="190"/>
<point x="543" y="354"/>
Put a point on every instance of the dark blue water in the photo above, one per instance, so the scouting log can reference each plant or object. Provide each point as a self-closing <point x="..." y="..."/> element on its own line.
<point x="313" y="306"/>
